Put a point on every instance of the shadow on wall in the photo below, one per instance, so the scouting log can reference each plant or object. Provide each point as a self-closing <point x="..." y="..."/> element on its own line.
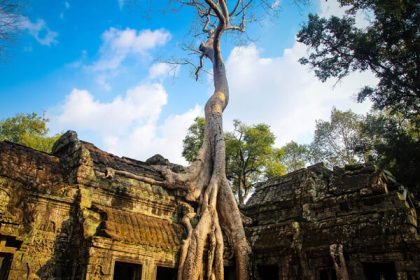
<point x="121" y="199"/>
<point x="70" y="253"/>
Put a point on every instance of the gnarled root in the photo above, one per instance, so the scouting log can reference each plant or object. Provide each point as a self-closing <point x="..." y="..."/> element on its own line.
<point x="218" y="208"/>
<point x="205" y="182"/>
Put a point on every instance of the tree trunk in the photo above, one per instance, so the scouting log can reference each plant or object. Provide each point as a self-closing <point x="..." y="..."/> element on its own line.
<point x="240" y="188"/>
<point x="206" y="182"/>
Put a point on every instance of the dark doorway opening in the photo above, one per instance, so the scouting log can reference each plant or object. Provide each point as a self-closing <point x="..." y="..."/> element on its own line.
<point x="166" y="273"/>
<point x="268" y="272"/>
<point x="379" y="271"/>
<point x="230" y="273"/>
<point x="5" y="264"/>
<point x="127" y="271"/>
<point x="327" y="274"/>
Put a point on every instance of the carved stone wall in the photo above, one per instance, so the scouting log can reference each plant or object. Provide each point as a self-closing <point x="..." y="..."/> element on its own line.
<point x="302" y="220"/>
<point x="73" y="214"/>
<point x="82" y="213"/>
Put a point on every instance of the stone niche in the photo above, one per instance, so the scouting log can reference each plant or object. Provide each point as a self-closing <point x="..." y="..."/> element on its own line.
<point x="82" y="213"/>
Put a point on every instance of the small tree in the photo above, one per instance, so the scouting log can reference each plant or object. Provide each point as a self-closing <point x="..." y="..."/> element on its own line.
<point x="250" y="155"/>
<point x="294" y="156"/>
<point x="335" y="141"/>
<point x="29" y="130"/>
<point x="194" y="139"/>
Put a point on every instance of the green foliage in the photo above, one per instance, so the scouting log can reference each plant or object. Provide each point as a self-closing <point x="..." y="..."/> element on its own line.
<point x="335" y="141"/>
<point x="194" y="139"/>
<point x="389" y="46"/>
<point x="274" y="165"/>
<point x="29" y="130"/>
<point x="250" y="156"/>
<point x="392" y="142"/>
<point x="294" y="156"/>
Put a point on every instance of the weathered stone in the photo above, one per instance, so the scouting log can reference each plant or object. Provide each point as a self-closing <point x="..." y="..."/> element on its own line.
<point x="62" y="218"/>
<point x="80" y="212"/>
<point x="299" y="217"/>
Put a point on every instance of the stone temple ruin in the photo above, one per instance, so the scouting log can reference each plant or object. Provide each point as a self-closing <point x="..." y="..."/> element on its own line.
<point x="82" y="213"/>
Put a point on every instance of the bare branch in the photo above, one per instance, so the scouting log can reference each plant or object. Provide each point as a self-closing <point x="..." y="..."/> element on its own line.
<point x="206" y="24"/>
<point x="224" y="11"/>
<point x="241" y="26"/>
<point x="244" y="7"/>
<point x="216" y="10"/>
<point x="10" y="19"/>
<point x="200" y="67"/>
<point x="235" y="8"/>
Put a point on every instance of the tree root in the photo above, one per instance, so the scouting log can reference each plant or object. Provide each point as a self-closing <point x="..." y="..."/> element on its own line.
<point x="218" y="209"/>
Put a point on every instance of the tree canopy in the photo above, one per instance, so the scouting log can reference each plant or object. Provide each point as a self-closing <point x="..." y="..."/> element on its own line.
<point x="335" y="141"/>
<point x="250" y="154"/>
<point x="389" y="46"/>
<point x="393" y="143"/>
<point x="29" y="130"/>
<point x="250" y="157"/>
<point x="390" y="141"/>
<point x="294" y="156"/>
<point x="194" y="139"/>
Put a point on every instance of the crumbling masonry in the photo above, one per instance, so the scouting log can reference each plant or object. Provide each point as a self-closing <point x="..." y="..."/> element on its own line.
<point x="82" y="213"/>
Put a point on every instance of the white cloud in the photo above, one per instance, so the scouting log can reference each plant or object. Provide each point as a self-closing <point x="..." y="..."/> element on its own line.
<point x="39" y="30"/>
<point x="166" y="139"/>
<point x="284" y="94"/>
<point x="162" y="70"/>
<point x="118" y="44"/>
<point x="129" y="124"/>
<point x="330" y="8"/>
<point x="333" y="8"/>
<point x="276" y="4"/>
<point x="140" y="105"/>
<point x="66" y="7"/>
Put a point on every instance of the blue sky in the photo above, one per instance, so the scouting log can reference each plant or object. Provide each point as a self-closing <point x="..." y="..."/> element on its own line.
<point x="98" y="67"/>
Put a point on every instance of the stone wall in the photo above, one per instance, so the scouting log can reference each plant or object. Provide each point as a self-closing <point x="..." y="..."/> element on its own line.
<point x="82" y="213"/>
<point x="298" y="219"/>
<point x="77" y="212"/>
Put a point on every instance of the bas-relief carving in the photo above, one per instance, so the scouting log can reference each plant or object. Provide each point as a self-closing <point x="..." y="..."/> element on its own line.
<point x="4" y="200"/>
<point x="40" y="244"/>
